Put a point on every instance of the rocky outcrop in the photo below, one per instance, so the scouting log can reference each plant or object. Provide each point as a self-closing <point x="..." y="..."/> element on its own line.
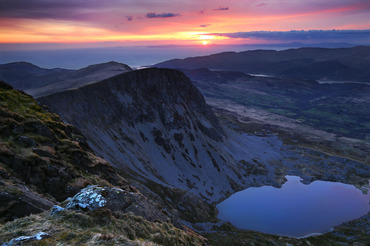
<point x="101" y="215"/>
<point x="97" y="227"/>
<point x="97" y="197"/>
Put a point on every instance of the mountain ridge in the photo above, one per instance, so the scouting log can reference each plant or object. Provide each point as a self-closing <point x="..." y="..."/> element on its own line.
<point x="348" y="64"/>
<point x="38" y="81"/>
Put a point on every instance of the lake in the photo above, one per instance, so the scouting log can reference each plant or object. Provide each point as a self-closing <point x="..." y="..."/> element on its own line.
<point x="295" y="209"/>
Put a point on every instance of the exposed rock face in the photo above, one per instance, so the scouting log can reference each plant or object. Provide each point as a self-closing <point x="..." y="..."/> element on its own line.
<point x="155" y="123"/>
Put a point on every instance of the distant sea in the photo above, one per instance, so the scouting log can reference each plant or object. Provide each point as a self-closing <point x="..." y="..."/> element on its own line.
<point x="135" y="57"/>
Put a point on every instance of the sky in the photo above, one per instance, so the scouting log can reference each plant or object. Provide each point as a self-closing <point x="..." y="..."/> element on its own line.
<point x="51" y="24"/>
<point x="178" y="22"/>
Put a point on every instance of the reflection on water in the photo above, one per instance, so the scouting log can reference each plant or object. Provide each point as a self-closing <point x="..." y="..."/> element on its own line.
<point x="295" y="209"/>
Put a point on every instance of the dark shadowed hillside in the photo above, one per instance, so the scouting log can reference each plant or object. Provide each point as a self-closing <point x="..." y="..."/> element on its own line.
<point x="342" y="109"/>
<point x="340" y="64"/>
<point x="38" y="81"/>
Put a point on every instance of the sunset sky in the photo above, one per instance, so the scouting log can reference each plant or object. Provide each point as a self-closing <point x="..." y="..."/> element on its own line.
<point x="183" y="22"/>
<point x="78" y="33"/>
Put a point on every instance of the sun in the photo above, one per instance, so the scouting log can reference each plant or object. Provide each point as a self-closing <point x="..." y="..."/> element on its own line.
<point x="205" y="42"/>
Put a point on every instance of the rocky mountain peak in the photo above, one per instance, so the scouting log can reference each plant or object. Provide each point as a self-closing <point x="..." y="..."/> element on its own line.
<point x="143" y="96"/>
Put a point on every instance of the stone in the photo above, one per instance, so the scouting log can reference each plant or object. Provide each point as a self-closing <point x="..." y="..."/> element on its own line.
<point x="24" y="239"/>
<point x="89" y="198"/>
<point x="55" y="210"/>
<point x="95" y="197"/>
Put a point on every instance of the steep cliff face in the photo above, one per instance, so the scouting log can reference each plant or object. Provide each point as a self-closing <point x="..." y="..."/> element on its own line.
<point x="155" y="123"/>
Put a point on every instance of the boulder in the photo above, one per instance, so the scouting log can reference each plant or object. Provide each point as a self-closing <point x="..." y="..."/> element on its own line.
<point x="95" y="197"/>
<point x="25" y="239"/>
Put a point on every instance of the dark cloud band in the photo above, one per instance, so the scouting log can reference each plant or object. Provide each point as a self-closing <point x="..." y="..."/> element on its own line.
<point x="163" y="15"/>
<point x="42" y="9"/>
<point x="221" y="9"/>
<point x="314" y="35"/>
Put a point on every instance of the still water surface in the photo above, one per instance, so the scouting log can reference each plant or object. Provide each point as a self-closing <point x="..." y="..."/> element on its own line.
<point x="295" y="209"/>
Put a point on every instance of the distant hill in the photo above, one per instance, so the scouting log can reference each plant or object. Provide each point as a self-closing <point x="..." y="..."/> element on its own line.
<point x="339" y="64"/>
<point x="38" y="81"/>
<point x="340" y="108"/>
